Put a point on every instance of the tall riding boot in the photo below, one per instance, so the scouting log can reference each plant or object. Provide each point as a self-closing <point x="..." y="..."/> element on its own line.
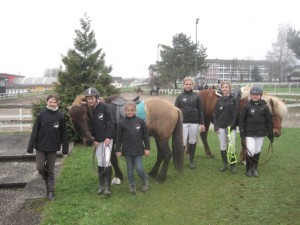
<point x="101" y="180"/>
<point x="192" y="149"/>
<point x="256" y="159"/>
<point x="224" y="159"/>
<point x="249" y="161"/>
<point x="107" y="181"/>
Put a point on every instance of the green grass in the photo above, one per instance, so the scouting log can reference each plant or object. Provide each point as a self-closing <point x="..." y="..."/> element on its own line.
<point x="200" y="196"/>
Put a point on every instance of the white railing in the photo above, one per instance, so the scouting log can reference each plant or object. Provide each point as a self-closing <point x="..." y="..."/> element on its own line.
<point x="4" y="96"/>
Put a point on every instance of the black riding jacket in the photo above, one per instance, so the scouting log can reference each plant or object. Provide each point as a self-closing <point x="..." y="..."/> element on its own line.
<point x="256" y="120"/>
<point x="190" y="105"/>
<point x="132" y="135"/>
<point x="226" y="113"/>
<point x="101" y="123"/>
<point x="49" y="132"/>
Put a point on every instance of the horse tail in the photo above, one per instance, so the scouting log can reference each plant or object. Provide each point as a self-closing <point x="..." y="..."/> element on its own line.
<point x="177" y="143"/>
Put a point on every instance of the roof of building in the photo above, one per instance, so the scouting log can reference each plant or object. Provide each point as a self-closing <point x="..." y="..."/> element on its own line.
<point x="27" y="81"/>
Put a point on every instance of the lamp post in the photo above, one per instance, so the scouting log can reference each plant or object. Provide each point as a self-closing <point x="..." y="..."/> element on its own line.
<point x="197" y="21"/>
<point x="158" y="53"/>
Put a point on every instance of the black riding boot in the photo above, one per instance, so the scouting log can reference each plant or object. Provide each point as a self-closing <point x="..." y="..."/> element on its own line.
<point x="192" y="149"/>
<point x="249" y="162"/>
<point x="101" y="180"/>
<point x="224" y="159"/>
<point x="256" y="159"/>
<point x="107" y="181"/>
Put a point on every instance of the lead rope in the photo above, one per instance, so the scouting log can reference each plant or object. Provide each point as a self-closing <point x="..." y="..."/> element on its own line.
<point x="269" y="154"/>
<point x="231" y="153"/>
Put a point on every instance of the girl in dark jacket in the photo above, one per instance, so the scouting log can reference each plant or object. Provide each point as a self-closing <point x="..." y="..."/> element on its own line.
<point x="49" y="133"/>
<point x="193" y="118"/>
<point x="133" y="136"/>
<point x="226" y="115"/>
<point x="255" y="123"/>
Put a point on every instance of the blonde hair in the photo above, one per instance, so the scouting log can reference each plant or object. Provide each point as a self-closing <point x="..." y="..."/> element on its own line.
<point x="227" y="83"/>
<point x="130" y="104"/>
<point x="188" y="79"/>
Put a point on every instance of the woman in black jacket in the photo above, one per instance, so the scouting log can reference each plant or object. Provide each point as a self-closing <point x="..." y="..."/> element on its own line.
<point x="49" y="133"/>
<point x="226" y="115"/>
<point x="193" y="118"/>
<point x="255" y="123"/>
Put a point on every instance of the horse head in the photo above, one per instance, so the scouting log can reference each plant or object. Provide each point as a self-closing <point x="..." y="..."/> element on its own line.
<point x="278" y="110"/>
<point x="80" y="114"/>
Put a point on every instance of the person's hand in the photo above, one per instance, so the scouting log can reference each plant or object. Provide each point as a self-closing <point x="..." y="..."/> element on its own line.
<point x="146" y="153"/>
<point x="118" y="154"/>
<point x="202" y="128"/>
<point x="107" y="141"/>
<point x="30" y="151"/>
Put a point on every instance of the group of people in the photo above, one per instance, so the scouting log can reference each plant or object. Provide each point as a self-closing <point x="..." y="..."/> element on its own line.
<point x="254" y="121"/>
<point x="49" y="133"/>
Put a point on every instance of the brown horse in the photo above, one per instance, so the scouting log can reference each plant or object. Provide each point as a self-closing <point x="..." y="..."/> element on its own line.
<point x="163" y="120"/>
<point x="209" y="99"/>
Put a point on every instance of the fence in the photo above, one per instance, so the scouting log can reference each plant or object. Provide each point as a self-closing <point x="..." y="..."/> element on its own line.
<point x="5" y="96"/>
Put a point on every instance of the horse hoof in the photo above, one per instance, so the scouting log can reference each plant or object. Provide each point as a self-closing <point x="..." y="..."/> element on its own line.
<point x="211" y="156"/>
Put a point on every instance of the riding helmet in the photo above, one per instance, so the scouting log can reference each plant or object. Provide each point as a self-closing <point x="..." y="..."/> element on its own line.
<point x="256" y="91"/>
<point x="91" y="92"/>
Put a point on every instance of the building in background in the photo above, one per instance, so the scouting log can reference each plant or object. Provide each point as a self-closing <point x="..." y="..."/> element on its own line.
<point x="234" y="70"/>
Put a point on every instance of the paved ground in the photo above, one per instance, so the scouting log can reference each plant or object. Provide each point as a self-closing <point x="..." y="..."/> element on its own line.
<point x="22" y="191"/>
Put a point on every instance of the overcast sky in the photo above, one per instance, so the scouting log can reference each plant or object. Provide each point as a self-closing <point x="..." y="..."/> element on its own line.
<point x="35" y="33"/>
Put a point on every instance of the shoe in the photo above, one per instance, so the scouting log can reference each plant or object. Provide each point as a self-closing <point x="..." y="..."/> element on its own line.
<point x="132" y="189"/>
<point x="101" y="190"/>
<point x="248" y="173"/>
<point x="232" y="169"/>
<point x="224" y="167"/>
<point x="145" y="186"/>
<point x="51" y="196"/>
<point x="255" y="173"/>
<point x="192" y="165"/>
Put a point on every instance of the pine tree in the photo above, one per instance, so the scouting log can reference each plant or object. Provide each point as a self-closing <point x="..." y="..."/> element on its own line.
<point x="84" y="67"/>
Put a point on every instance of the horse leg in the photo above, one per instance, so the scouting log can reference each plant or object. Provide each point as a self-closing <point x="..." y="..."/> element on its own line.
<point x="153" y="173"/>
<point x="243" y="151"/>
<point x="203" y="136"/>
<point x="115" y="164"/>
<point x="166" y="155"/>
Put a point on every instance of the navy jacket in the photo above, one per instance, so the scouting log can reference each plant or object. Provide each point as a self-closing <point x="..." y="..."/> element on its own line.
<point x="132" y="135"/>
<point x="101" y="123"/>
<point x="256" y="120"/>
<point x="226" y="113"/>
<point x="49" y="133"/>
<point x="190" y="105"/>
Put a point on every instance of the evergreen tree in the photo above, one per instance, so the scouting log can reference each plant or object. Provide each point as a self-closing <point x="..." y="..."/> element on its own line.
<point x="84" y="67"/>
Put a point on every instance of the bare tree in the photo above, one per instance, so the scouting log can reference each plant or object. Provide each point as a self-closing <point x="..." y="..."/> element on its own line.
<point x="280" y="54"/>
<point x="51" y="72"/>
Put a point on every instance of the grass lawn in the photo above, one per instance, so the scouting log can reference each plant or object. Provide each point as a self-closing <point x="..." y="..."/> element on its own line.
<point x="200" y="196"/>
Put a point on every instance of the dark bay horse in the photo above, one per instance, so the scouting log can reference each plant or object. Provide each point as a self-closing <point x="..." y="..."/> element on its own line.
<point x="209" y="99"/>
<point x="163" y="120"/>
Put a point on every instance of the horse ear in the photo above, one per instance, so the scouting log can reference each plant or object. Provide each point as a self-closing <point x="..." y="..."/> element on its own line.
<point x="272" y="102"/>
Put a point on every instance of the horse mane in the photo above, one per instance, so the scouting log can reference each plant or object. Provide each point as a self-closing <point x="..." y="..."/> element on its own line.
<point x="275" y="104"/>
<point x="79" y="100"/>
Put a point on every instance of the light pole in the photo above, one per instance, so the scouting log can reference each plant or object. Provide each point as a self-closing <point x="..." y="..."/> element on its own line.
<point x="197" y="20"/>
<point x="158" y="53"/>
